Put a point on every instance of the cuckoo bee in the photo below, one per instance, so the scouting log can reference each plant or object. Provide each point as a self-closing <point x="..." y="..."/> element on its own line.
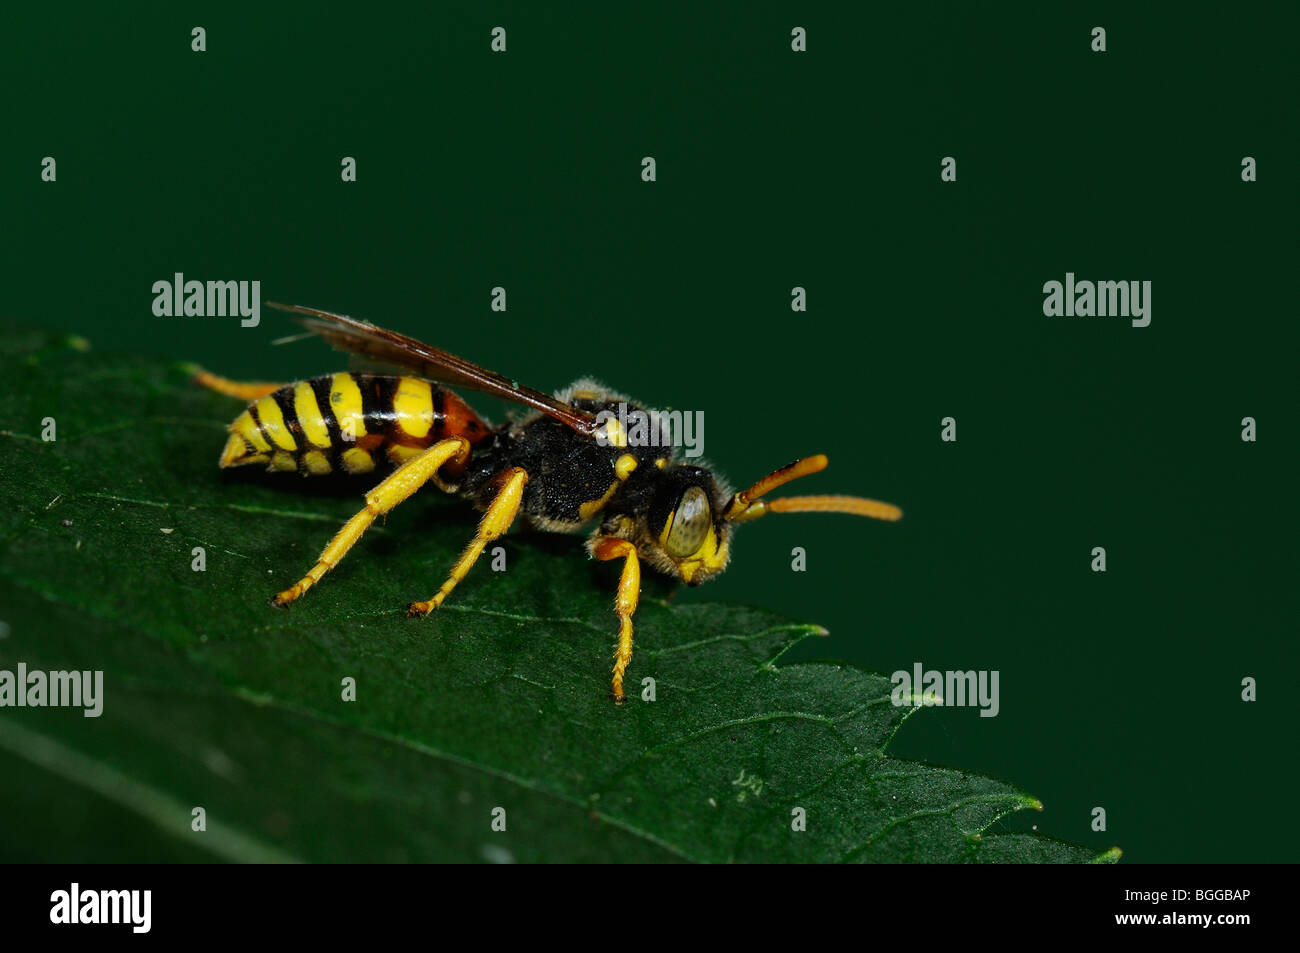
<point x="560" y="467"/>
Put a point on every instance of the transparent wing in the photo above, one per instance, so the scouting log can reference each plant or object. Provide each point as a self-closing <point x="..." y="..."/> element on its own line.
<point x="375" y="343"/>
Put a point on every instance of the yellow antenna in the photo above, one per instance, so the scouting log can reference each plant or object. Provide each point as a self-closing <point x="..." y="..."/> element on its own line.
<point x="746" y="504"/>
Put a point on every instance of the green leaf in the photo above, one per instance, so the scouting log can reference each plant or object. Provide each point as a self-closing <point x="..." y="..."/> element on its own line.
<point x="214" y="699"/>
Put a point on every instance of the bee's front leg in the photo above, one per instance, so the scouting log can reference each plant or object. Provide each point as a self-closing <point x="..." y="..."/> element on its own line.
<point x="629" y="590"/>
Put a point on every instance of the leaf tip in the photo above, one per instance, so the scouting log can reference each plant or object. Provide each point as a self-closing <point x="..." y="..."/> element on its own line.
<point x="1108" y="856"/>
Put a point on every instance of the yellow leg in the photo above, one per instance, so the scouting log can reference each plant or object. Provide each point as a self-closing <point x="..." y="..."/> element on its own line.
<point x="495" y="522"/>
<point x="629" y="590"/>
<point x="399" y="484"/>
<point x="244" y="390"/>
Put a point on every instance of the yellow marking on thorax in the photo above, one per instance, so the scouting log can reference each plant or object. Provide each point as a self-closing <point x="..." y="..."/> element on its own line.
<point x="268" y="412"/>
<point x="309" y="415"/>
<point x="245" y="427"/>
<point x="623" y="468"/>
<point x="356" y="460"/>
<point x="615" y="433"/>
<point x="345" y="401"/>
<point x="589" y="509"/>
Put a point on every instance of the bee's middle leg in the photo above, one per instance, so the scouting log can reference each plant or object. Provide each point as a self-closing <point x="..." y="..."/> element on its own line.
<point x="395" y="488"/>
<point x="500" y="514"/>
<point x="629" y="591"/>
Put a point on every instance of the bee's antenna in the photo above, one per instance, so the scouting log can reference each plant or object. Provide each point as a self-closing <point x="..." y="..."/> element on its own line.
<point x="746" y="504"/>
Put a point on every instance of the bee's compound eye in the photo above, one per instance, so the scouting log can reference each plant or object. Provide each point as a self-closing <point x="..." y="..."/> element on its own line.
<point x="690" y="523"/>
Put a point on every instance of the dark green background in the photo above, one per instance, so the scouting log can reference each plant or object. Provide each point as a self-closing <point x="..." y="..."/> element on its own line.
<point x="778" y="169"/>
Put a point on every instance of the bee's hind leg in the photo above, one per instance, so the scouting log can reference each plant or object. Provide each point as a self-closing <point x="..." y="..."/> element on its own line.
<point x="500" y="514"/>
<point x="244" y="390"/>
<point x="395" y="488"/>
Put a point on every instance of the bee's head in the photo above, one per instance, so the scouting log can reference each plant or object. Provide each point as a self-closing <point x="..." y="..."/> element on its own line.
<point x="686" y="531"/>
<point x="685" y="527"/>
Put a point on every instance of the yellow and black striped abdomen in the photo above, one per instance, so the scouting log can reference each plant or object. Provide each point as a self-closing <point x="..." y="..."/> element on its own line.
<point x="348" y="423"/>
